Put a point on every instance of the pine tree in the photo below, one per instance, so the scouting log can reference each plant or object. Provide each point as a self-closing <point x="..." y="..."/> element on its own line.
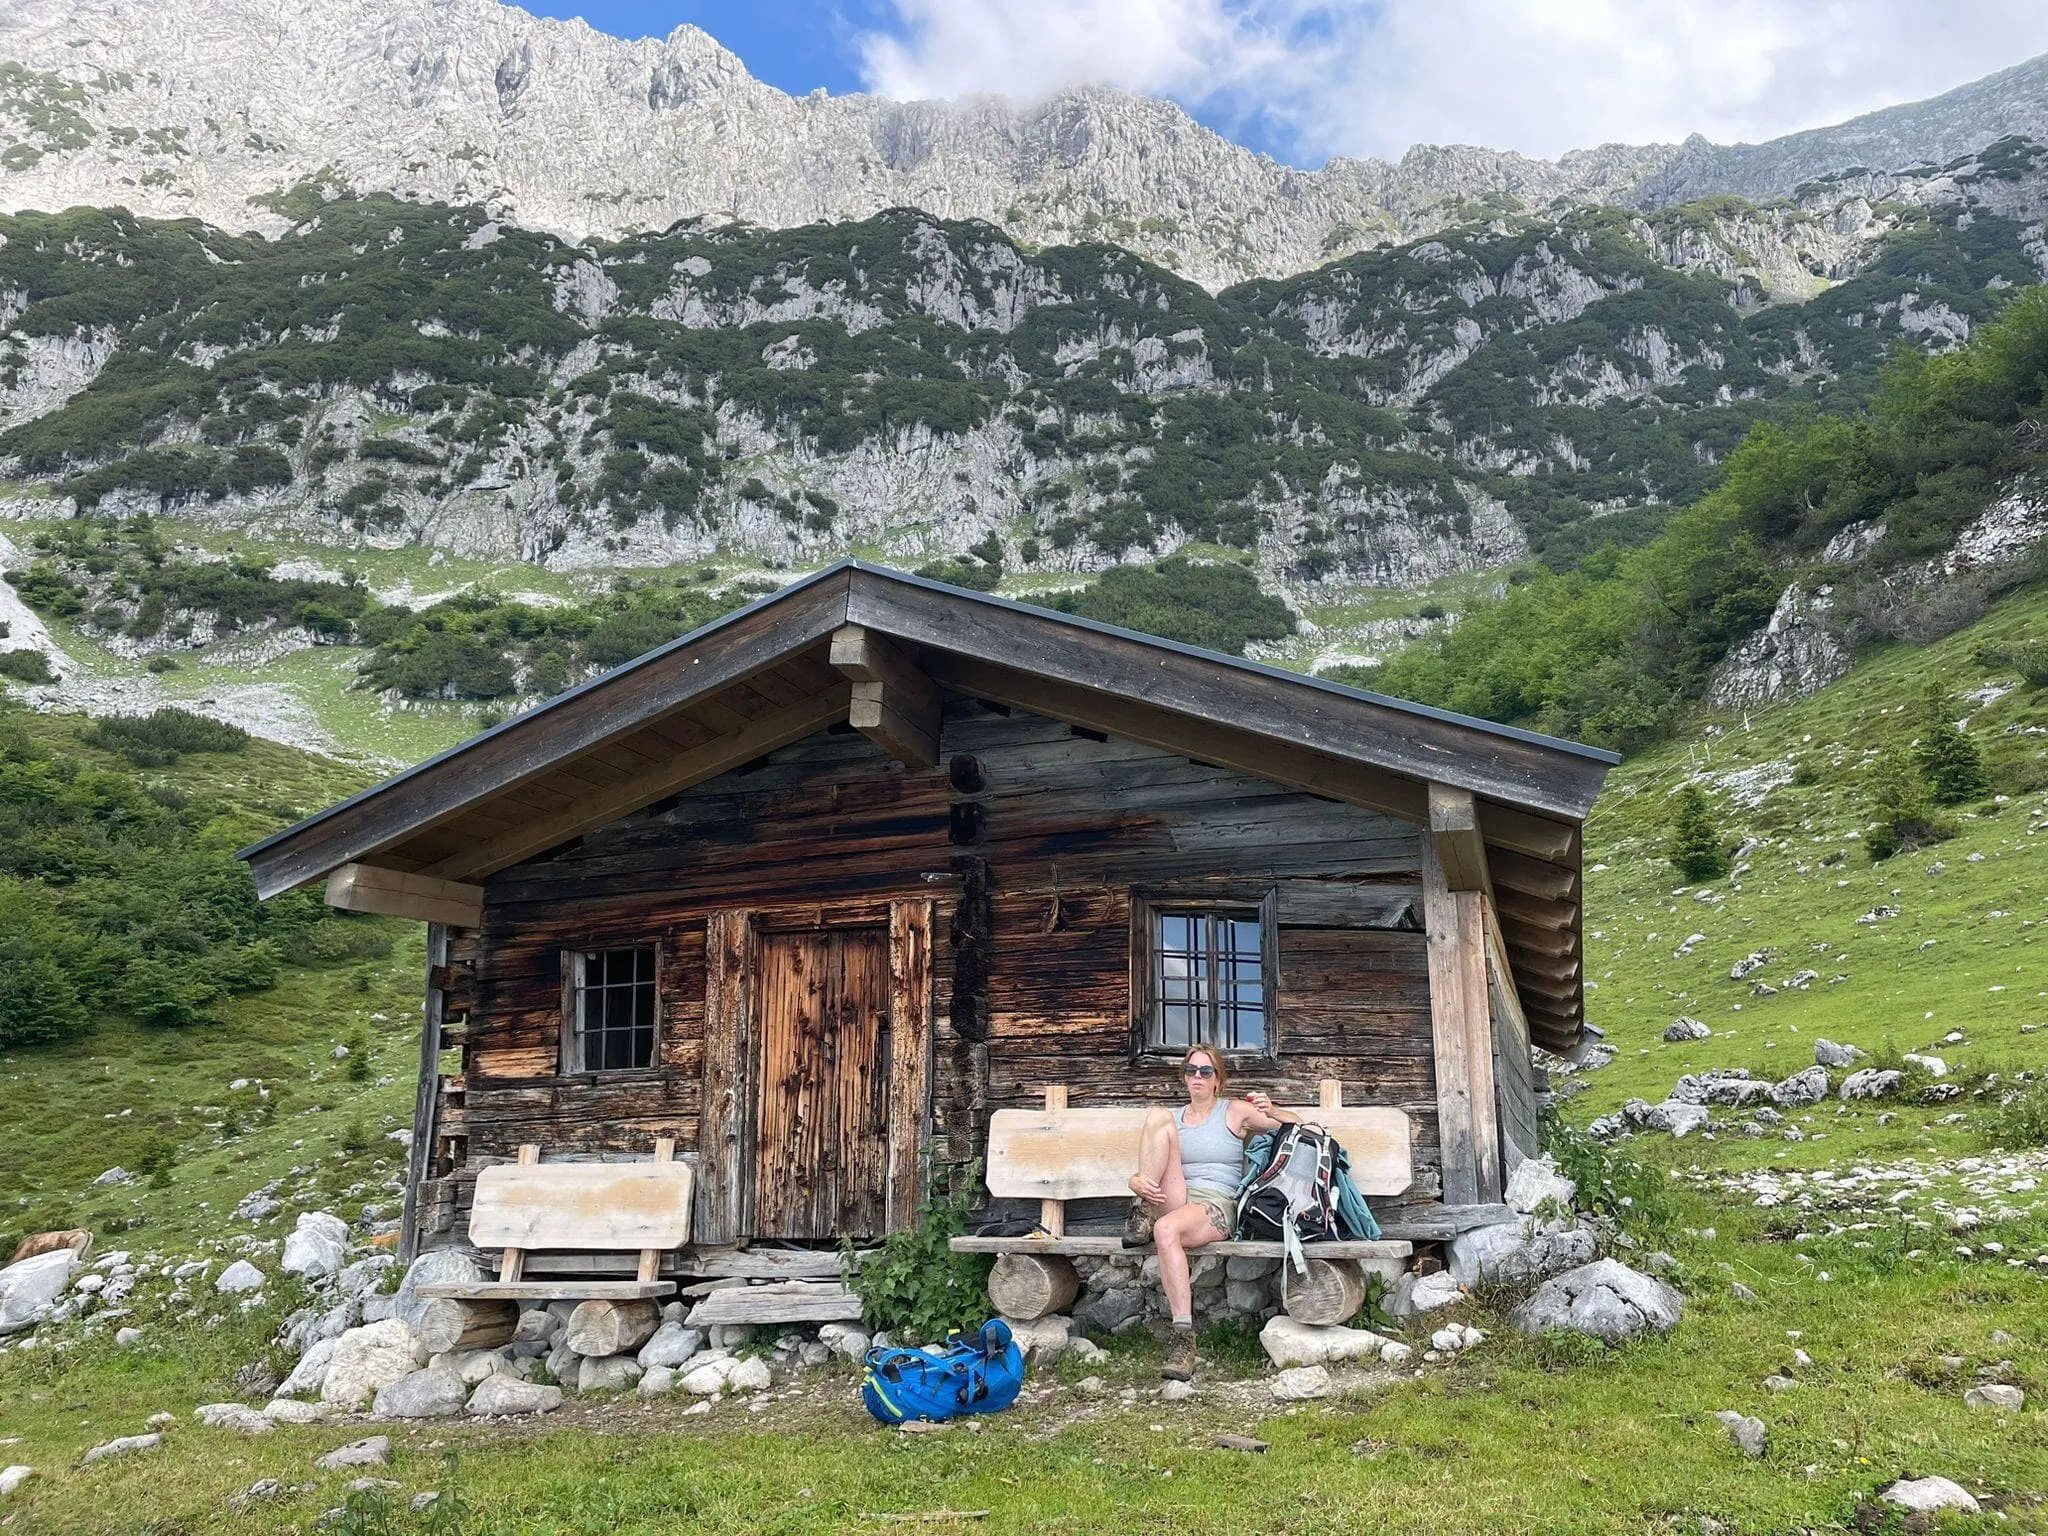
<point x="1896" y="797"/>
<point x="1947" y="755"/>
<point x="1696" y="850"/>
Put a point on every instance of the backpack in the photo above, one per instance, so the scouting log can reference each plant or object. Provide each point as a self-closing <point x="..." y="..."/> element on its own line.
<point x="979" y="1374"/>
<point x="1293" y="1199"/>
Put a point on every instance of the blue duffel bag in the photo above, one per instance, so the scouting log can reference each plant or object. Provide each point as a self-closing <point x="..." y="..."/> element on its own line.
<point x="978" y="1374"/>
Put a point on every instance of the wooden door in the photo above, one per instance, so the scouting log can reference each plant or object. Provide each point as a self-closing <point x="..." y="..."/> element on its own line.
<point x="821" y="1144"/>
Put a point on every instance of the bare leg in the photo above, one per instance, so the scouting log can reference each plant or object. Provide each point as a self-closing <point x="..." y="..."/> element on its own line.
<point x="1159" y="1159"/>
<point x="1189" y="1226"/>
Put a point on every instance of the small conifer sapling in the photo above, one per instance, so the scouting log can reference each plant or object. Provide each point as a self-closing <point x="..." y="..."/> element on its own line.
<point x="1696" y="851"/>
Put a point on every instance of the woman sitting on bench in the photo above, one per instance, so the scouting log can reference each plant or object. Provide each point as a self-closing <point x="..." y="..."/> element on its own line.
<point x="1190" y="1161"/>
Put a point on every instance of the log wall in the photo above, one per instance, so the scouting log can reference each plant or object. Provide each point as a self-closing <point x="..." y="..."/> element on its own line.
<point x="1029" y="838"/>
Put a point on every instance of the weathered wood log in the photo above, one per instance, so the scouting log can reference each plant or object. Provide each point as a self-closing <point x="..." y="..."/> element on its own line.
<point x="447" y="1324"/>
<point x="611" y="1327"/>
<point x="1027" y="1286"/>
<point x="794" y="1301"/>
<point x="1331" y="1292"/>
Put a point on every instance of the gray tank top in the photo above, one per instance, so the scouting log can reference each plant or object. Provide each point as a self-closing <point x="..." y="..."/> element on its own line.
<point x="1210" y="1156"/>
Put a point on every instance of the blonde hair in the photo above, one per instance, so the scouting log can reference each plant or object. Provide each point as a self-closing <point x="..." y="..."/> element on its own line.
<point x="1215" y="1060"/>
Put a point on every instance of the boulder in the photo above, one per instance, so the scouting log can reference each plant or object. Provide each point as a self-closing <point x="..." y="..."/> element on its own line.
<point x="1676" y="1116"/>
<point x="29" y="1286"/>
<point x="503" y="1396"/>
<point x="238" y="1277"/>
<point x="1683" y="1029"/>
<point x="1425" y="1293"/>
<point x="1828" y="1054"/>
<point x="443" y="1266"/>
<point x="375" y="1451"/>
<point x="317" y="1246"/>
<point x="368" y="1359"/>
<point x="671" y="1345"/>
<point x="289" y="1410"/>
<point x="659" y="1381"/>
<point x="433" y="1393"/>
<point x="1536" y="1182"/>
<point x="12" y="1478"/>
<point x="1106" y="1312"/>
<point x="1042" y="1338"/>
<point x="310" y="1374"/>
<point x="847" y="1339"/>
<point x="709" y="1377"/>
<point x="239" y="1417"/>
<point x="1301" y="1384"/>
<point x="1288" y="1343"/>
<point x="1507" y="1251"/>
<point x="127" y="1338"/>
<point x="1926" y="1495"/>
<point x="1747" y="1433"/>
<point x="2001" y="1399"/>
<point x="124" y="1445"/>
<point x="1731" y="1087"/>
<point x="1807" y="1087"/>
<point x="1933" y="1066"/>
<point x="473" y="1365"/>
<point x="1605" y="1300"/>
<point x="1394" y="1352"/>
<point x="606" y="1373"/>
<point x="751" y="1376"/>
<point x="1871" y="1083"/>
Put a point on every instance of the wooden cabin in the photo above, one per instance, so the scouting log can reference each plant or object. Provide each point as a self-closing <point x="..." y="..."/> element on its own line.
<point x="812" y="892"/>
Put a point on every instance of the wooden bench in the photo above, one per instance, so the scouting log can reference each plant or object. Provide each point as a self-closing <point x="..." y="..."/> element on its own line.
<point x="1057" y="1154"/>
<point x="590" y="1207"/>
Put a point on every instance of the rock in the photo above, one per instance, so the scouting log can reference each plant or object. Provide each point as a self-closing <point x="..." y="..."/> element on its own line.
<point x="473" y="1365"/>
<point x="751" y="1376"/>
<point x="372" y="1452"/>
<point x="1087" y="1351"/>
<point x="1747" y="1433"/>
<point x="1301" y="1384"/>
<point x="1828" y="1054"/>
<point x="2001" y="1399"/>
<point x="288" y="1410"/>
<point x="1755" y="960"/>
<point x="1505" y="1251"/>
<point x="239" y="1417"/>
<point x="1424" y="1293"/>
<point x="1740" y="1291"/>
<point x="262" y="1488"/>
<point x="504" y="1396"/>
<point x="671" y="1345"/>
<point x="442" y="1266"/>
<point x="1871" y="1083"/>
<point x="368" y="1359"/>
<point x="607" y="1373"/>
<point x="433" y="1393"/>
<point x="1394" y="1352"/>
<point x="28" y="1287"/>
<point x="1043" y="1339"/>
<point x="238" y="1277"/>
<point x="1673" y="1115"/>
<point x="12" y="1478"/>
<point x="317" y="1246"/>
<point x="1682" y="1029"/>
<point x="847" y="1339"/>
<point x="1730" y="1087"/>
<point x="1807" y="1087"/>
<point x="1455" y="1338"/>
<point x="1289" y="1343"/>
<point x="127" y="1338"/>
<point x="1536" y="1182"/>
<point x="310" y="1373"/>
<point x="125" y="1445"/>
<point x="1926" y="1495"/>
<point x="1779" y="1383"/>
<point x="115" y="1175"/>
<point x="659" y="1381"/>
<point x="707" y="1379"/>
<point x="731" y="1335"/>
<point x="1176" y="1391"/>
<point x="1108" y="1311"/>
<point x="1605" y="1300"/>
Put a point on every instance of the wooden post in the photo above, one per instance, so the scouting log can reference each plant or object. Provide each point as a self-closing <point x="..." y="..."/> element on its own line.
<point x="1461" y="1030"/>
<point x="1026" y="1286"/>
<point x="420" y="1156"/>
<point x="650" y="1258"/>
<point x="513" y="1265"/>
<point x="724" y="1145"/>
<point x="446" y="1323"/>
<point x="1052" y="1214"/>
<point x="1331" y="1292"/>
<point x="910" y="1051"/>
<point x="1329" y="1094"/>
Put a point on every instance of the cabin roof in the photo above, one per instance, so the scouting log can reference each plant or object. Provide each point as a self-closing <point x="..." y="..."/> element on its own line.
<point x="761" y="677"/>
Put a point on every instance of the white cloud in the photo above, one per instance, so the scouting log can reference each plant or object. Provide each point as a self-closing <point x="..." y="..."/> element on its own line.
<point x="1313" y="78"/>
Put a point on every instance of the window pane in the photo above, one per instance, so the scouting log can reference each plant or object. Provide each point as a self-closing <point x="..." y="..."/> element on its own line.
<point x="1209" y="981"/>
<point x="615" y="1009"/>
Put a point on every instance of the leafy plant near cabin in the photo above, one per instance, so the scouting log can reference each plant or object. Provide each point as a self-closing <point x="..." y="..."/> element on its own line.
<point x="1696" y="849"/>
<point x="914" y="1285"/>
<point x="1634" y="1195"/>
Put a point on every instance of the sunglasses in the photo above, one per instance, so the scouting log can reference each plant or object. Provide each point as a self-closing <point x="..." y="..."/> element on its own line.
<point x="1192" y="1070"/>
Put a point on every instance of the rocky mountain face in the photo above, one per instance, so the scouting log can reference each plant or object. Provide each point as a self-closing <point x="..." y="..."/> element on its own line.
<point x="225" y="109"/>
<point x="935" y="393"/>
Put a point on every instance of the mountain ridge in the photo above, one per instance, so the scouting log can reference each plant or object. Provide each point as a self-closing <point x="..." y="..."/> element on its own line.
<point x="220" y="109"/>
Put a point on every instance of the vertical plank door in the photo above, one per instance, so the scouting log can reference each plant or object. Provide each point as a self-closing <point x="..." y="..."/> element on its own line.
<point x="822" y="1132"/>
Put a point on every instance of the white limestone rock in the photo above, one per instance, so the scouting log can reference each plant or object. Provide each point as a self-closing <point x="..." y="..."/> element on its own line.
<point x="1871" y="1083"/>
<point x="310" y="1374"/>
<point x="365" y="1360"/>
<point x="1290" y="1343"/>
<point x="1301" y="1384"/>
<point x="1745" y="1432"/>
<point x="12" y="1478"/>
<point x="122" y="1445"/>
<point x="1536" y="1182"/>
<point x="1605" y="1300"/>
<point x="371" y="1451"/>
<point x="658" y="1381"/>
<point x="1801" y="1088"/>
<point x="608" y="1373"/>
<point x="289" y="1410"/>
<point x="1683" y="1029"/>
<point x="31" y="1286"/>
<point x="672" y="1344"/>
<point x="1997" y="1397"/>
<point x="1509" y="1251"/>
<point x="239" y="1277"/>
<point x="1929" y="1495"/>
<point x="317" y="1247"/>
<point x="433" y="1393"/>
<point x="1826" y="1053"/>
<point x="239" y="1417"/>
<point x="506" y="1396"/>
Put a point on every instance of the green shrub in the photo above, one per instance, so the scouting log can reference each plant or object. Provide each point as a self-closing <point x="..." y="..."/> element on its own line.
<point x="159" y="739"/>
<point x="914" y="1285"/>
<point x="337" y="940"/>
<point x="1634" y="1195"/>
<point x="359" y="1056"/>
<point x="163" y="663"/>
<point x="39" y="1003"/>
<point x="168" y="994"/>
<point x="1896" y="797"/>
<point x="2018" y="1120"/>
<point x="26" y="666"/>
<point x="1946" y="754"/>
<point x="1696" y="849"/>
<point x="1220" y="607"/>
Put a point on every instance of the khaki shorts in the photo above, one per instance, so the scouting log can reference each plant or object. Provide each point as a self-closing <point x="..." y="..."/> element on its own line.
<point x="1221" y="1205"/>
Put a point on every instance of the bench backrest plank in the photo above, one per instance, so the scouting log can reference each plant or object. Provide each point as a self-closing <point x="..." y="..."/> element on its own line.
<point x="595" y="1206"/>
<point x="1086" y="1154"/>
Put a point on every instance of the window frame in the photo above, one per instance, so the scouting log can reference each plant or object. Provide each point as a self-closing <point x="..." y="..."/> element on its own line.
<point x="569" y="1058"/>
<point x="1146" y="1004"/>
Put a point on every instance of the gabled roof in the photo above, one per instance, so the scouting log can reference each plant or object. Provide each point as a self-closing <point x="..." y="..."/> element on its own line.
<point x="762" y="677"/>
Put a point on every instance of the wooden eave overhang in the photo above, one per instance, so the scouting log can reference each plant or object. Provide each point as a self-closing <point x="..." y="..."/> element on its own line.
<point x="765" y="676"/>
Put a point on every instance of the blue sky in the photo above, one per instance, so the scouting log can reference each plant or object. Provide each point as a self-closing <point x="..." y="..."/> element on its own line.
<point x="1307" y="79"/>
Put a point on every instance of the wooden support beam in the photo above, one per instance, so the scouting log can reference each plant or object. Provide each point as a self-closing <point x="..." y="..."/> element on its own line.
<point x="893" y="704"/>
<point x="394" y="893"/>
<point x="1454" y="824"/>
<point x="1513" y="871"/>
<point x="1468" y="1128"/>
<point x="1555" y="943"/>
<point x="1532" y="912"/>
<point x="1555" y="842"/>
<point x="764" y="733"/>
<point x="1052" y="1214"/>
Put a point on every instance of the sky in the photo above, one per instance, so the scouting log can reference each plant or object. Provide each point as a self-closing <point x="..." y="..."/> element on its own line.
<point x="1305" y="80"/>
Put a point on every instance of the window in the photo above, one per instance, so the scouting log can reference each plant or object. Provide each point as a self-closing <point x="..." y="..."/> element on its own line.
<point x="610" y="1010"/>
<point x="1209" y="979"/>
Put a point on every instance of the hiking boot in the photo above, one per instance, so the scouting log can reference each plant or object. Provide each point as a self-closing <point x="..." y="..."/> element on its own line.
<point x="1138" y="1224"/>
<point x="1180" y="1356"/>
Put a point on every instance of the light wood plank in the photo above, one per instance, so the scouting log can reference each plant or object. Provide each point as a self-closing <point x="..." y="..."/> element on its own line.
<point x="551" y="1290"/>
<point x="582" y="1205"/>
<point x="396" y="893"/>
<point x="791" y="1301"/>
<point x="1456" y="1137"/>
<point x="910" y="1051"/>
<point x="1454" y="823"/>
<point x="1109" y="1245"/>
<point x="724" y="1143"/>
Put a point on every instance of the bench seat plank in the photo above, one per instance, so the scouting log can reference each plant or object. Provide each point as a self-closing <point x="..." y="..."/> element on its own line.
<point x="1108" y="1244"/>
<point x="551" y="1290"/>
<point x="791" y="1301"/>
<point x="1090" y="1153"/>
